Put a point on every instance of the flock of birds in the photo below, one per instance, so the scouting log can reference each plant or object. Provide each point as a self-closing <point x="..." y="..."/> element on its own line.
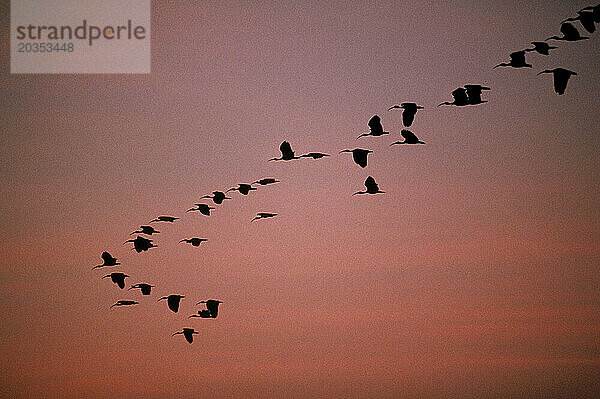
<point x="469" y="95"/>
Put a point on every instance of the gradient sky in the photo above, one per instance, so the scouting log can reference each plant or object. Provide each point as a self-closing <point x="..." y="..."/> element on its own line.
<point x="475" y="276"/>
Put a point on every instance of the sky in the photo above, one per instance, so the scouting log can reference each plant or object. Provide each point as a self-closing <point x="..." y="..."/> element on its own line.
<point x="476" y="274"/>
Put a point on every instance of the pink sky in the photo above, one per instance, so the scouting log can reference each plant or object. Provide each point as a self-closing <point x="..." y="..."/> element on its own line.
<point x="476" y="275"/>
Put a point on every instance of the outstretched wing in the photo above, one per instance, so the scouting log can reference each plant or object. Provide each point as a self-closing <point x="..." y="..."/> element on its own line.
<point x="286" y="149"/>
<point x="408" y="136"/>
<point x="375" y="124"/>
<point x="371" y="185"/>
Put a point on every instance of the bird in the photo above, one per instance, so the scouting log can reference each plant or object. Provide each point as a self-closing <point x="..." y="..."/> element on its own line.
<point x="202" y="208"/>
<point x="265" y="181"/>
<point x="195" y="241"/>
<point x="314" y="155"/>
<point x="108" y="260"/>
<point x="409" y="138"/>
<point x="595" y="11"/>
<point x="218" y="197"/>
<point x="372" y="187"/>
<point x="212" y="305"/>
<point x="586" y="18"/>
<point x="263" y="215"/>
<point x="188" y="333"/>
<point x="141" y="244"/>
<point x="460" y="98"/>
<point x="376" y="129"/>
<point x="117" y="278"/>
<point x="124" y="302"/>
<point x="517" y="60"/>
<point x="408" y="115"/>
<point x="204" y="313"/>
<point x="173" y="301"/>
<point x="169" y="219"/>
<point x="359" y="156"/>
<point x="474" y="94"/>
<point x="561" y="77"/>
<point x="145" y="288"/>
<point x="242" y="188"/>
<point x="541" y="48"/>
<point x="286" y="153"/>
<point x="148" y="230"/>
<point x="570" y="34"/>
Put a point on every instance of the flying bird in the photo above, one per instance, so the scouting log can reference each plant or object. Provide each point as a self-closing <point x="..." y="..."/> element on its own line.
<point x="359" y="156"/>
<point x="408" y="115"/>
<point x="375" y="126"/>
<point x="570" y="34"/>
<point x="314" y="155"/>
<point x="218" y="197"/>
<point x="286" y="153"/>
<point x="242" y="188"/>
<point x="195" y="241"/>
<point x="409" y="138"/>
<point x="148" y="230"/>
<point x="561" y="77"/>
<point x="141" y="244"/>
<point x="124" y="302"/>
<point x="474" y="94"/>
<point x="263" y="215"/>
<point x="204" y="313"/>
<point x="188" y="333"/>
<point x="586" y="18"/>
<point x="202" y="208"/>
<point x="108" y="261"/>
<point x="517" y="60"/>
<point x="212" y="305"/>
<point x="541" y="48"/>
<point x="372" y="187"/>
<point x="265" y="181"/>
<point x="460" y="98"/>
<point x="169" y="219"/>
<point x="173" y="301"/>
<point x="595" y="11"/>
<point x="145" y="288"/>
<point x="117" y="278"/>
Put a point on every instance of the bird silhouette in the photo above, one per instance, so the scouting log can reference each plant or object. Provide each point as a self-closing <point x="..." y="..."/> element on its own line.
<point x="517" y="60"/>
<point x="359" y="156"/>
<point x="212" y="305"/>
<point x="204" y="313"/>
<point x="376" y="129"/>
<point x="242" y="188"/>
<point x="265" y="181"/>
<point x="148" y="230"/>
<point x="117" y="278"/>
<point x="286" y="153"/>
<point x="474" y="94"/>
<point x="124" y="302"/>
<point x="145" y="288"/>
<point x="141" y="244"/>
<point x="202" y="208"/>
<point x="561" y="77"/>
<point x="408" y="115"/>
<point x="372" y="187"/>
<point x="195" y="241"/>
<point x="314" y="155"/>
<point x="460" y="98"/>
<point x="218" y="197"/>
<point x="188" y="333"/>
<point x="263" y="215"/>
<point x="586" y="18"/>
<point x="541" y="48"/>
<point x="173" y="301"/>
<point x="595" y="12"/>
<point x="169" y="219"/>
<point x="108" y="261"/>
<point x="570" y="34"/>
<point x="409" y="138"/>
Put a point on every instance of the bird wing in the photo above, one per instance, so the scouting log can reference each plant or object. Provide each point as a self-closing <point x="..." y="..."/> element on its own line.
<point x="517" y="57"/>
<point x="408" y="136"/>
<point x="568" y="29"/>
<point x="459" y="95"/>
<point x="213" y="307"/>
<point x="561" y="77"/>
<point x="106" y="257"/>
<point x="370" y="184"/>
<point x="286" y="149"/>
<point x="375" y="124"/>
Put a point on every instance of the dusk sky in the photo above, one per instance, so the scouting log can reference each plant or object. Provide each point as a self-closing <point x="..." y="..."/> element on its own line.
<point x="475" y="275"/>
